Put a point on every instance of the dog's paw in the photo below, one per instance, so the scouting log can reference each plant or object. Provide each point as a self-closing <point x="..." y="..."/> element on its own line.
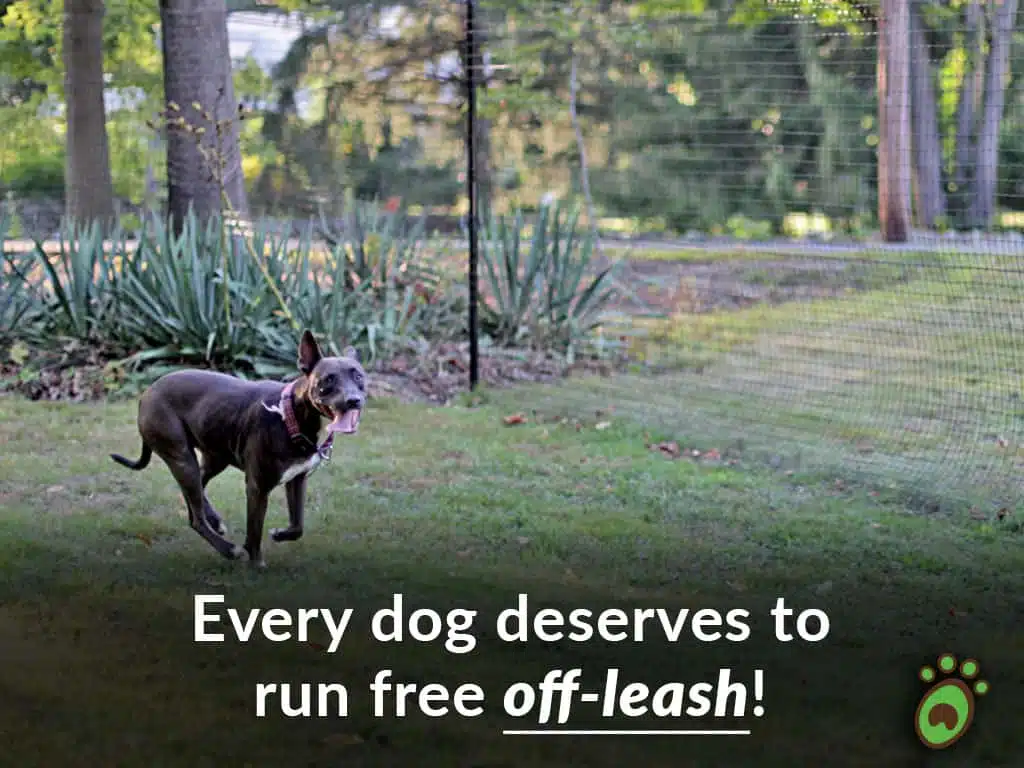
<point x="237" y="552"/>
<point x="285" y="534"/>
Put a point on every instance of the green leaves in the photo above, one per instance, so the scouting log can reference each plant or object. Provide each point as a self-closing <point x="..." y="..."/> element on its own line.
<point x="201" y="297"/>
<point x="538" y="282"/>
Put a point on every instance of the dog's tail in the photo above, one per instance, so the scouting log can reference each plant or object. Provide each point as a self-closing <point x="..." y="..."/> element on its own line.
<point x="142" y="463"/>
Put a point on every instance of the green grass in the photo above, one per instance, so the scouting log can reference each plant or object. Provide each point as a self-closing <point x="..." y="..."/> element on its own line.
<point x="453" y="509"/>
<point x="692" y="255"/>
<point x="915" y="384"/>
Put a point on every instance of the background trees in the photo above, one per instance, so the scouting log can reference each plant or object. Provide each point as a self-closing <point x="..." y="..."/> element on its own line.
<point x="696" y="114"/>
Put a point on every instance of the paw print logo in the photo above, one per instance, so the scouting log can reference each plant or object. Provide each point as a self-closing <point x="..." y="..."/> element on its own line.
<point x="946" y="710"/>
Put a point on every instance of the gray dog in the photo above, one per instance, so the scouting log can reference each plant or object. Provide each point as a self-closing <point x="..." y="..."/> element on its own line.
<point x="267" y="429"/>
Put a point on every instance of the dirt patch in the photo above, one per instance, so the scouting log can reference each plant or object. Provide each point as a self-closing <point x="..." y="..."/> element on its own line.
<point x="439" y="377"/>
<point x="683" y="286"/>
<point x="433" y="378"/>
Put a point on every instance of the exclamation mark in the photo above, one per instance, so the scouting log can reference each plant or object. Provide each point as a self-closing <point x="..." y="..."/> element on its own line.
<point x="758" y="691"/>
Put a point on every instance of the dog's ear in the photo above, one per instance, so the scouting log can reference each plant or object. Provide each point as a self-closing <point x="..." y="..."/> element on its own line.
<point x="352" y="353"/>
<point x="309" y="353"/>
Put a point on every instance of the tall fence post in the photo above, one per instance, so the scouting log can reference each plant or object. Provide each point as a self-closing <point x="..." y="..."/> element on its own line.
<point x="470" y="74"/>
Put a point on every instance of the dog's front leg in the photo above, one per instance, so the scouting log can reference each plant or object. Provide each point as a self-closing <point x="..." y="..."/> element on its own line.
<point x="256" y="499"/>
<point x="295" y="492"/>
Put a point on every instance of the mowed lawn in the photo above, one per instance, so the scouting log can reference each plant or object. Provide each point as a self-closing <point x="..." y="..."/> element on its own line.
<point x="452" y="508"/>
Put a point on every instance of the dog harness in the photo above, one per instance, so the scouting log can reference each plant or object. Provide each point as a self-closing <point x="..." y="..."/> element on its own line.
<point x="286" y="410"/>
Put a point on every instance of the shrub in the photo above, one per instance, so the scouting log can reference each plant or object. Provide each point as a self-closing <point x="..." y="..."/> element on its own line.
<point x="539" y="282"/>
<point x="208" y="296"/>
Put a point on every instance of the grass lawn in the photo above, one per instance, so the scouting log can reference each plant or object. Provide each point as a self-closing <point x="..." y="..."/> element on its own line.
<point x="454" y="509"/>
<point x="913" y="384"/>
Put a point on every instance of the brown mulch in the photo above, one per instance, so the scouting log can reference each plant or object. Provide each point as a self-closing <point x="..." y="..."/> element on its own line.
<point x="436" y="378"/>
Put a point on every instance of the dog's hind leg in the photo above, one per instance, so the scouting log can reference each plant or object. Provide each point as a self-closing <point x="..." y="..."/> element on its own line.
<point x="170" y="442"/>
<point x="210" y="469"/>
<point x="185" y="468"/>
<point x="295" y="493"/>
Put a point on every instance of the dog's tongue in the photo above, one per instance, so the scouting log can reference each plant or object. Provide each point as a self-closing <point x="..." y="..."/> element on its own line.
<point x="346" y="423"/>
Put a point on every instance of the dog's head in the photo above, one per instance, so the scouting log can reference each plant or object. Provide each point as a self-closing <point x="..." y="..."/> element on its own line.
<point x="336" y="386"/>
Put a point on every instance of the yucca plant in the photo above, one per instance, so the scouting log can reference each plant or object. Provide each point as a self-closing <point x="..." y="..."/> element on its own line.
<point x="538" y="285"/>
<point x="574" y="305"/>
<point x="381" y="247"/>
<point x="78" y="287"/>
<point x="172" y="297"/>
<point x="17" y="299"/>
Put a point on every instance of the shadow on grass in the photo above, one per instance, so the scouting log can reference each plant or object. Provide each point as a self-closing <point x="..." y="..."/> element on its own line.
<point x="453" y="510"/>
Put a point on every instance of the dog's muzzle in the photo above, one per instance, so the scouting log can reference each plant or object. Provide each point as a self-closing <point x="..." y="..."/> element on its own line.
<point x="344" y="421"/>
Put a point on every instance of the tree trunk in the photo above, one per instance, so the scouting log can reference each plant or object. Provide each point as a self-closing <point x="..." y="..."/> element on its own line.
<point x="931" y="200"/>
<point x="87" y="181"/>
<point x="201" y="167"/>
<point x="894" y="121"/>
<point x="964" y="153"/>
<point x="987" y="168"/>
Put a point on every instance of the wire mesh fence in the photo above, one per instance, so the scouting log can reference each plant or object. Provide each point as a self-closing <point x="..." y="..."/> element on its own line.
<point x="816" y="205"/>
<point x="743" y="163"/>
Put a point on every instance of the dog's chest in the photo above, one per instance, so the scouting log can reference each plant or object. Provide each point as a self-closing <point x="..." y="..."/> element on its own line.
<point x="301" y="468"/>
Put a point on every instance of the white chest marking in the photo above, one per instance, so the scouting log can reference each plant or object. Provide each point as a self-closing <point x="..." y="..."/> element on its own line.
<point x="301" y="468"/>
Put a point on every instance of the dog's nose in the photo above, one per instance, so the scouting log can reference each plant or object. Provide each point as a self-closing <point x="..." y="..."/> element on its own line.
<point x="353" y="404"/>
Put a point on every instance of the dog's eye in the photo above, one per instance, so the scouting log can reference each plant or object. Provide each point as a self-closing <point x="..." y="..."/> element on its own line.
<point x="357" y="377"/>
<point x="327" y="380"/>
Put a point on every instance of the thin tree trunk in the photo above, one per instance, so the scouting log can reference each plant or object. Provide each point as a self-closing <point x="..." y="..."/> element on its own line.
<point x="987" y="173"/>
<point x="581" y="146"/>
<point x="201" y="168"/>
<point x="964" y="152"/>
<point x="931" y="200"/>
<point x="89" y="188"/>
<point x="894" y="121"/>
<point x="484" y="166"/>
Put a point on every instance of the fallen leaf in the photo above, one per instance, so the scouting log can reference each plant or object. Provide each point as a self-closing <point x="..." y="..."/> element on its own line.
<point x="977" y="514"/>
<point x="464" y="553"/>
<point x="1002" y="514"/>
<point x="713" y="455"/>
<point x="602" y="425"/>
<point x="516" y="418"/>
<point x="671" y="449"/>
<point x="1002" y="442"/>
<point x="144" y="539"/>
<point x="55" y="489"/>
<point x="522" y="541"/>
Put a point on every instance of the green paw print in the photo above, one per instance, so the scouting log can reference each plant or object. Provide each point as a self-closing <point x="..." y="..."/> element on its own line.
<point x="947" y="708"/>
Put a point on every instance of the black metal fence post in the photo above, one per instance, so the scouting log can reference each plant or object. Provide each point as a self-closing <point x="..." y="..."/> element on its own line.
<point x="470" y="72"/>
